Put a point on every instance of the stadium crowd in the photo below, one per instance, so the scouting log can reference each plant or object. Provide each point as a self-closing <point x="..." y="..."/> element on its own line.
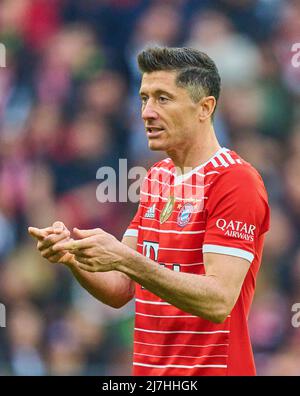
<point x="69" y="105"/>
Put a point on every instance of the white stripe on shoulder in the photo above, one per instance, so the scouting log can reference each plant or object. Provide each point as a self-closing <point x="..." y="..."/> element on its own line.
<point x="164" y="183"/>
<point x="215" y="164"/>
<point x="212" y="172"/>
<point x="229" y="158"/>
<point x="161" y="169"/>
<point x="222" y="160"/>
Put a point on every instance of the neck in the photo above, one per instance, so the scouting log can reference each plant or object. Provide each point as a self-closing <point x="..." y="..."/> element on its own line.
<point x="196" y="152"/>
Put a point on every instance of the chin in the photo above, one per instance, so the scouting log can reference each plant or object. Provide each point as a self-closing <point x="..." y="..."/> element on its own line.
<point x="156" y="146"/>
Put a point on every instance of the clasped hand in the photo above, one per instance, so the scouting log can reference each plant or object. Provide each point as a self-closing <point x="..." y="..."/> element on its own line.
<point x="94" y="250"/>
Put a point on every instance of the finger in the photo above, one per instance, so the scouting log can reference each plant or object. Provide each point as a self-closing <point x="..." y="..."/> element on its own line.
<point x="42" y="245"/>
<point x="87" y="233"/>
<point x="58" y="227"/>
<point x="40" y="233"/>
<point x="47" y="252"/>
<point x="75" y="245"/>
<point x="54" y="258"/>
<point x="62" y="258"/>
<point x="52" y="239"/>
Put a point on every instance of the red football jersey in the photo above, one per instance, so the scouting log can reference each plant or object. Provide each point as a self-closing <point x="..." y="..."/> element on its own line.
<point x="220" y="207"/>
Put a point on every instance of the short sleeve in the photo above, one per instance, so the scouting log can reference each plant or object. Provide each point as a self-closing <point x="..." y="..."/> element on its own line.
<point x="237" y="213"/>
<point x="132" y="229"/>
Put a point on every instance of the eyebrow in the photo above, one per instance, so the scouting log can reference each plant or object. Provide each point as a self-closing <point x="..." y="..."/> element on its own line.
<point x="159" y="92"/>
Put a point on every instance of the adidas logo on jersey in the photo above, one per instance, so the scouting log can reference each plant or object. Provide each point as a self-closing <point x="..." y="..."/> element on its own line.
<point x="150" y="214"/>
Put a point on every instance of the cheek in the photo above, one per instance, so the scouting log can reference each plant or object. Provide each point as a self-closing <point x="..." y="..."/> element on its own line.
<point x="183" y="126"/>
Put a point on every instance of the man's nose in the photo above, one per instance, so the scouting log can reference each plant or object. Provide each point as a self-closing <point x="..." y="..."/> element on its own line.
<point x="149" y="112"/>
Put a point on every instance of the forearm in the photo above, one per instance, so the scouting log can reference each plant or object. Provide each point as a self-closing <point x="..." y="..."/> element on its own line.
<point x="199" y="295"/>
<point x="111" y="288"/>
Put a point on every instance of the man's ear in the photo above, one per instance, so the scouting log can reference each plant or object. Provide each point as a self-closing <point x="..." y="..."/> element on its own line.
<point x="206" y="107"/>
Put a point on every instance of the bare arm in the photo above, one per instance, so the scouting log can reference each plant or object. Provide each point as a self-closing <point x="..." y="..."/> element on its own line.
<point x="113" y="288"/>
<point x="211" y="296"/>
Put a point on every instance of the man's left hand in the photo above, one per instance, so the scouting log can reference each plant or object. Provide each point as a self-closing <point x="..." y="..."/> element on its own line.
<point x="95" y="251"/>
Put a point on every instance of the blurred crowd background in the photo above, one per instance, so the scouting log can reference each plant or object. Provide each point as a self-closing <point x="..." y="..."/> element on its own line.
<point x="69" y="105"/>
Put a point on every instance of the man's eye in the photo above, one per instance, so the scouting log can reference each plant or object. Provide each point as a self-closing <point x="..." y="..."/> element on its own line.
<point x="162" y="99"/>
<point x="143" y="99"/>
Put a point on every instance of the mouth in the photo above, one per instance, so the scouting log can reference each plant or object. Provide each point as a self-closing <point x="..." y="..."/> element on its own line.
<point x="153" y="132"/>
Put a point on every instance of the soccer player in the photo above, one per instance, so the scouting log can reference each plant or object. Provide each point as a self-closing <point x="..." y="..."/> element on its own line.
<point x="191" y="254"/>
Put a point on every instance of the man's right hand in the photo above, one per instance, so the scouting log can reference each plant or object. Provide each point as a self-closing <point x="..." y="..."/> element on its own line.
<point x="48" y="237"/>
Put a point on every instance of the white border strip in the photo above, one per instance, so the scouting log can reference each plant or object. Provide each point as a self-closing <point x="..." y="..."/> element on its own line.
<point x="152" y="302"/>
<point x="182" y="332"/>
<point x="132" y="232"/>
<point x="167" y="316"/>
<point x="179" y="356"/>
<point x="181" y="345"/>
<point x="229" y="251"/>
<point x="171" y="231"/>
<point x="180" y="366"/>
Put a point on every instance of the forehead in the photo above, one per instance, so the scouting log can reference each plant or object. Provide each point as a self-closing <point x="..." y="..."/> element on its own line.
<point x="159" y="80"/>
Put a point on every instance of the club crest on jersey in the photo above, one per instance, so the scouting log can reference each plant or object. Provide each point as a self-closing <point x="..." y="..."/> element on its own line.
<point x="185" y="214"/>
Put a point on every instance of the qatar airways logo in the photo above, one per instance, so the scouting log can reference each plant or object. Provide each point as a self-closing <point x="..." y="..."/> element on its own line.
<point x="237" y="229"/>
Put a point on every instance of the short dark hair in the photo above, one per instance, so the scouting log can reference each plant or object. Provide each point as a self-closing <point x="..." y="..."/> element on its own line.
<point x="196" y="71"/>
